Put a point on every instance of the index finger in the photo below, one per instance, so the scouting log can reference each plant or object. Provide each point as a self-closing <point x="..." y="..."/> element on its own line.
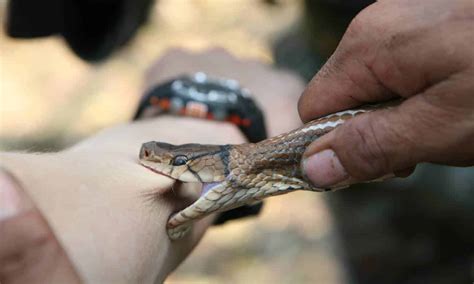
<point x="344" y="82"/>
<point x="352" y="75"/>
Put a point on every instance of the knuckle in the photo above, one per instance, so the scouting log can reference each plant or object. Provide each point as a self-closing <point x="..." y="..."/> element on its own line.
<point x="363" y="37"/>
<point x="335" y="64"/>
<point x="39" y="234"/>
<point x="375" y="150"/>
<point x="14" y="263"/>
<point x="27" y="245"/>
<point x="363" y="23"/>
<point x="370" y="27"/>
<point x="357" y="26"/>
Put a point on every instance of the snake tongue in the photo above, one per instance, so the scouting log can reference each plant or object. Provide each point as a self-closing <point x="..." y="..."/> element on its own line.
<point x="207" y="186"/>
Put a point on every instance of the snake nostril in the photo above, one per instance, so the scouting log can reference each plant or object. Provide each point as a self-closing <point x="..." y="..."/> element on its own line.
<point x="145" y="153"/>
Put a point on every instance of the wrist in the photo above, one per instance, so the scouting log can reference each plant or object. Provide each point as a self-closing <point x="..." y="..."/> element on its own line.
<point x="128" y="138"/>
<point x="180" y="130"/>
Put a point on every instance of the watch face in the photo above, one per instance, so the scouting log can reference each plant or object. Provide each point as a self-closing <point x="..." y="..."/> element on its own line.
<point x="203" y="89"/>
<point x="210" y="98"/>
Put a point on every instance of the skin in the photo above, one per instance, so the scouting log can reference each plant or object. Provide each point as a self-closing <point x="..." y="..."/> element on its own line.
<point x="99" y="215"/>
<point x="106" y="210"/>
<point x="418" y="50"/>
<point x="26" y="237"/>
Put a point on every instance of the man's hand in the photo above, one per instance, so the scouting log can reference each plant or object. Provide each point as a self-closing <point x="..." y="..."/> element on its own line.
<point x="419" y="50"/>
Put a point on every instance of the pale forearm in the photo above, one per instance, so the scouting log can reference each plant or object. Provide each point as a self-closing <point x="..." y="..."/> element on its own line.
<point x="99" y="200"/>
<point x="96" y="197"/>
<point x="89" y="210"/>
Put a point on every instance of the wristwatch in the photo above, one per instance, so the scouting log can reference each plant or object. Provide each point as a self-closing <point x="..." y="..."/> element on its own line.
<point x="202" y="96"/>
<point x="210" y="98"/>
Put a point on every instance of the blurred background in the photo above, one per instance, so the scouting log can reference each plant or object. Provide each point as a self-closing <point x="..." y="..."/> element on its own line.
<point x="56" y="90"/>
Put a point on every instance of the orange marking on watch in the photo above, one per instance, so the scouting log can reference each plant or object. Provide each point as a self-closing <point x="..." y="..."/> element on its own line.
<point x="196" y="109"/>
<point x="246" y="122"/>
<point x="235" y="119"/>
<point x="154" y="101"/>
<point x="165" y="103"/>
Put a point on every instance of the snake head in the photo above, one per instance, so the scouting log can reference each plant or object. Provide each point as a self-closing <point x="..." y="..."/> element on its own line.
<point x="187" y="162"/>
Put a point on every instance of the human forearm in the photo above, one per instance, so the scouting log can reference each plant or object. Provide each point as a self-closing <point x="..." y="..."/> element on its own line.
<point x="109" y="212"/>
<point x="89" y="210"/>
<point x="98" y="199"/>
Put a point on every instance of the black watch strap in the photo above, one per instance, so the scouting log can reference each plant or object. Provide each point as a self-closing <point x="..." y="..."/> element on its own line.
<point x="209" y="98"/>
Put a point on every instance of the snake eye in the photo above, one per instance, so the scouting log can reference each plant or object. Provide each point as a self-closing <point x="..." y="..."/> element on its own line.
<point x="179" y="160"/>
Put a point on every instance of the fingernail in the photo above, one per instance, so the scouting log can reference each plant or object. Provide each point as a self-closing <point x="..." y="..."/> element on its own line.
<point x="10" y="199"/>
<point x="324" y="169"/>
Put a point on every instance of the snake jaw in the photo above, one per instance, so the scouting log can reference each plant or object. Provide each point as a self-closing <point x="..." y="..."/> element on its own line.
<point x="180" y="173"/>
<point x="153" y="169"/>
<point x="210" y="201"/>
<point x="179" y="231"/>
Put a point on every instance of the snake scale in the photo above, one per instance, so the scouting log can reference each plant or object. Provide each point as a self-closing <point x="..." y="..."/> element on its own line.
<point x="234" y="175"/>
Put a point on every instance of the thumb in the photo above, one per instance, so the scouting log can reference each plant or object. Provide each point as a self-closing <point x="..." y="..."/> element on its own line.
<point x="367" y="147"/>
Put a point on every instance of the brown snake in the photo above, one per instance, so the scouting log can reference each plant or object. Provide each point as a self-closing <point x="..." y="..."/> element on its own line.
<point x="234" y="175"/>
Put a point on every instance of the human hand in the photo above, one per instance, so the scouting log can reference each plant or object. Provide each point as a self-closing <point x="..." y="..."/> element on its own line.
<point x="29" y="251"/>
<point x="418" y="50"/>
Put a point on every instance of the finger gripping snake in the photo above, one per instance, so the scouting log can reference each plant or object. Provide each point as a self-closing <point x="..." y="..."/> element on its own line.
<point x="234" y="175"/>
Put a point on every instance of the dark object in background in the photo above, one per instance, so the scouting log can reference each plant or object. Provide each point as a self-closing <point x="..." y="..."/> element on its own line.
<point x="306" y="46"/>
<point x="93" y="29"/>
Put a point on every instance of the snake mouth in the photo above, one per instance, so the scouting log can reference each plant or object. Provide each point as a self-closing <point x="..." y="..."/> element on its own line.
<point x="206" y="186"/>
<point x="155" y="171"/>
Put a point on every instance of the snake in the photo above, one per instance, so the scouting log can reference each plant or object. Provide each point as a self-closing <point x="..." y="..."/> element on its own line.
<point x="235" y="175"/>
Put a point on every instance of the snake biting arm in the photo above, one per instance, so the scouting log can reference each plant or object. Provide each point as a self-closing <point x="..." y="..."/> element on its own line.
<point x="234" y="175"/>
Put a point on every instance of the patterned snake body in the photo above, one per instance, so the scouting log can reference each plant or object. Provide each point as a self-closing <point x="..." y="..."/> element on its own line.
<point x="234" y="175"/>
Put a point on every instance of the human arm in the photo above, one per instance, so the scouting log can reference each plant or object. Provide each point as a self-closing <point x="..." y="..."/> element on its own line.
<point x="98" y="199"/>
